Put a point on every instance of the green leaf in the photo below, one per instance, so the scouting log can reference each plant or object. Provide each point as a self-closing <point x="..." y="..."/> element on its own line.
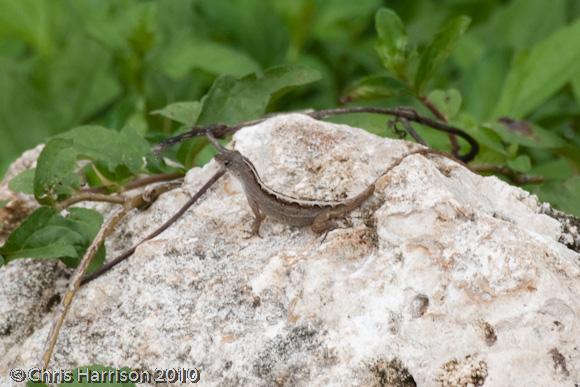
<point x="576" y="87"/>
<point x="205" y="155"/>
<point x="438" y="50"/>
<point x="84" y="221"/>
<point x="335" y="20"/>
<point x="29" y="20"/>
<point x="3" y="203"/>
<point x="98" y="260"/>
<point x="55" y="176"/>
<point x="483" y="82"/>
<point x="215" y="58"/>
<point x="80" y="96"/>
<point x="114" y="153"/>
<point x="188" y="151"/>
<point x="47" y="234"/>
<point x="183" y="112"/>
<point x="521" y="164"/>
<point x="91" y="376"/>
<point x="525" y="134"/>
<point x="468" y="52"/>
<point x="521" y="23"/>
<point x="110" y="147"/>
<point x="158" y="165"/>
<point x="448" y="102"/>
<point x="95" y="264"/>
<point x="392" y="42"/>
<point x="375" y="86"/>
<point x="536" y="75"/>
<point x="23" y="182"/>
<point x="561" y="194"/>
<point x="559" y="169"/>
<point x="231" y="100"/>
<point x="137" y="121"/>
<point x="490" y="139"/>
<point x="373" y="123"/>
<point x="251" y="25"/>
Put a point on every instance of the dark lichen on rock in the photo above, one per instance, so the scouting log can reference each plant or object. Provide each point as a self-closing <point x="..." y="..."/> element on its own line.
<point x="559" y="362"/>
<point x="488" y="332"/>
<point x="469" y="371"/>
<point x="389" y="373"/>
<point x="283" y="361"/>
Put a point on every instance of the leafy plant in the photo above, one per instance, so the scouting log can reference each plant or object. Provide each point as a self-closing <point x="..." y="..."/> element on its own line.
<point x="444" y="69"/>
<point x="47" y="234"/>
<point x="518" y="123"/>
<point x="89" y="158"/>
<point x="509" y="127"/>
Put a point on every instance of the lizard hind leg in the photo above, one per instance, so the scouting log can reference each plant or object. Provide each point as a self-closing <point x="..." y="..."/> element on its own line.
<point x="323" y="223"/>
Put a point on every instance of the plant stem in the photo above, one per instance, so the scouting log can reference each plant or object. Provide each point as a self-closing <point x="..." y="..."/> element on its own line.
<point x="513" y="176"/>
<point x="143" y="181"/>
<point x="138" y="182"/>
<point x="91" y="197"/>
<point x="75" y="282"/>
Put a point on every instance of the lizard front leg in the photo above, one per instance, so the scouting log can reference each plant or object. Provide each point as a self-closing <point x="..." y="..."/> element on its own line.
<point x="258" y="218"/>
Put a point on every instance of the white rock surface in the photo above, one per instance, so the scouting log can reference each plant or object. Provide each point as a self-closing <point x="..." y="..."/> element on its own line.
<point x="443" y="278"/>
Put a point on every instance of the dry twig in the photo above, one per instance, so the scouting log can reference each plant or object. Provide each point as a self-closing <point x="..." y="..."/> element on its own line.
<point x="126" y="254"/>
<point x="222" y="130"/>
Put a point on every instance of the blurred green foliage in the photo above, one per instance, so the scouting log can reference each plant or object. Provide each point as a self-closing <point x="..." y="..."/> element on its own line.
<point x="505" y="71"/>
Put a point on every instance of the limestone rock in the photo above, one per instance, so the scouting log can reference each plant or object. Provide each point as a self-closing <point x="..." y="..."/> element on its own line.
<point x="442" y="278"/>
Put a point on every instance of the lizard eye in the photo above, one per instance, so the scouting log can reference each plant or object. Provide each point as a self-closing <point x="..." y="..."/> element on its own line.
<point x="227" y="163"/>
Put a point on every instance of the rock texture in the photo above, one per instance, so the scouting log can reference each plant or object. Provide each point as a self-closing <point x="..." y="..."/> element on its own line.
<point x="443" y="278"/>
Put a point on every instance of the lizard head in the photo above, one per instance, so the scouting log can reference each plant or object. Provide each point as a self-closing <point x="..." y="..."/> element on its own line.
<point x="236" y="164"/>
<point x="229" y="158"/>
<point x="232" y="160"/>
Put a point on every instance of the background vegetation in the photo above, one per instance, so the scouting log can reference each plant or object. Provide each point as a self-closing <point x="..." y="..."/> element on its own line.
<point x="512" y="80"/>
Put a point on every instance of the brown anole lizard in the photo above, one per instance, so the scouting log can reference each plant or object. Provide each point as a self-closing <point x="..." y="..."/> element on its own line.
<point x="264" y="201"/>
